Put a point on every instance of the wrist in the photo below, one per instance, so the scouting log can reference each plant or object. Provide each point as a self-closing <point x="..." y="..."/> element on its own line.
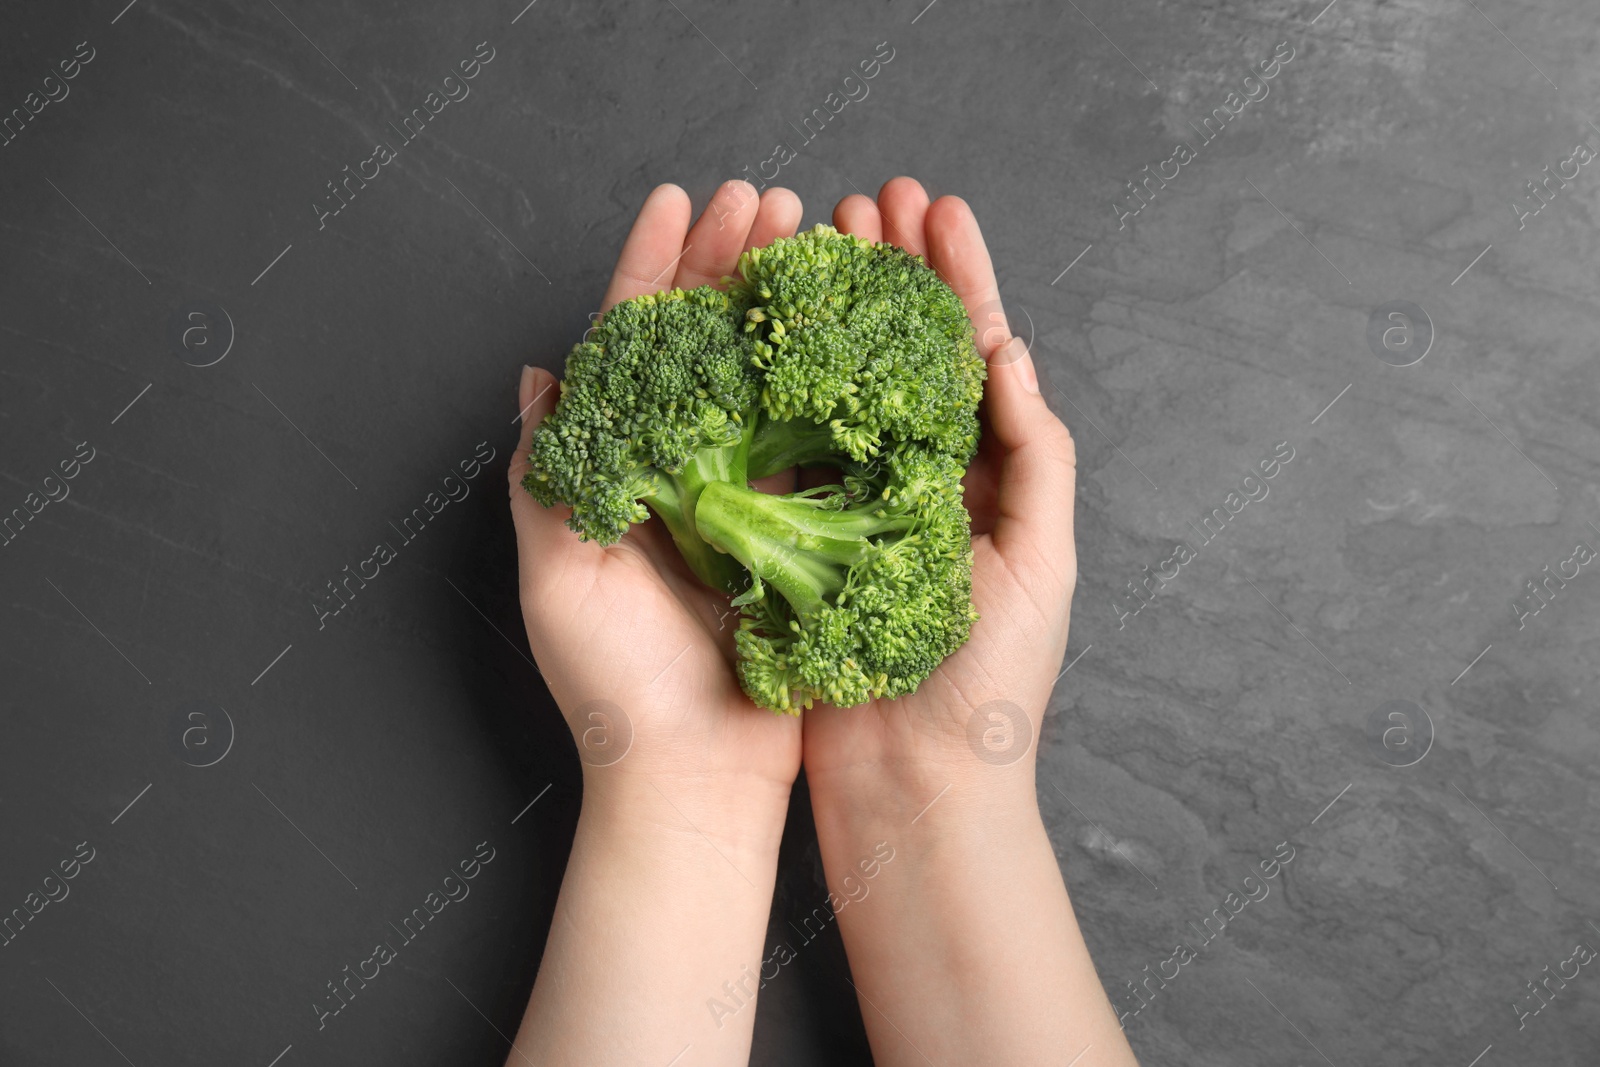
<point x="919" y="747"/>
<point x="742" y="817"/>
<point x="888" y="788"/>
<point x="924" y="805"/>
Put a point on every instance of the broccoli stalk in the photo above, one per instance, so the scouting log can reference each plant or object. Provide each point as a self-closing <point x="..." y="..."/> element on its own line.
<point x="780" y="445"/>
<point x="799" y="544"/>
<point x="677" y="498"/>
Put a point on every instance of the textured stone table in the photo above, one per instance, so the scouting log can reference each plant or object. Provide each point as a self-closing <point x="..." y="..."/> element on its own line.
<point x="253" y="376"/>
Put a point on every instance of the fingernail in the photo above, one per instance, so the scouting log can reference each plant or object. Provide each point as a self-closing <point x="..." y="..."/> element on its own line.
<point x="1014" y="353"/>
<point x="525" y="389"/>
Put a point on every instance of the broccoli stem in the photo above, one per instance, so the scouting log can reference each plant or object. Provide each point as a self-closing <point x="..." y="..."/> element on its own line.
<point x="676" y="501"/>
<point x="781" y="444"/>
<point x="797" y="544"/>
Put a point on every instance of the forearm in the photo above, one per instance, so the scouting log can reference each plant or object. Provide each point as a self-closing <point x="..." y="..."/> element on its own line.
<point x="652" y="919"/>
<point x="967" y="949"/>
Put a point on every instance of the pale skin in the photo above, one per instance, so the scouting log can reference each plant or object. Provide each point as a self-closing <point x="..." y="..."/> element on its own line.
<point x="965" y="949"/>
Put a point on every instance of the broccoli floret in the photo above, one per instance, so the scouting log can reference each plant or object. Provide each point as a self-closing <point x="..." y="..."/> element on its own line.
<point x="864" y="339"/>
<point x="828" y="351"/>
<point x="654" y="405"/>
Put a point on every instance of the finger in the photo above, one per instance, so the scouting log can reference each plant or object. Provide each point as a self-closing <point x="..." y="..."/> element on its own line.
<point x="858" y="214"/>
<point x="903" y="204"/>
<point x="1038" y="471"/>
<point x="653" y="246"/>
<point x="544" y="542"/>
<point x="711" y="250"/>
<point x="957" y="251"/>
<point x="778" y="216"/>
<point x="1037" y="461"/>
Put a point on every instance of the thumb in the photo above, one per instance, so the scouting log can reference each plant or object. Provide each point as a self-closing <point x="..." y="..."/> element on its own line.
<point x="543" y="540"/>
<point x="1038" y="466"/>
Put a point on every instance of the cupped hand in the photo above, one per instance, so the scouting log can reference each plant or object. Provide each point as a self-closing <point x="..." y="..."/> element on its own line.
<point x="982" y="708"/>
<point x="635" y="650"/>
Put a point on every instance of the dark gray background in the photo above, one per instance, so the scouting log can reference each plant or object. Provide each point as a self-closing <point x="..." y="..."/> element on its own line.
<point x="1182" y="746"/>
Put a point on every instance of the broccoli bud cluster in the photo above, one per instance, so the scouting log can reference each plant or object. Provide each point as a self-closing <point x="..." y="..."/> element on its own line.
<point x="828" y="351"/>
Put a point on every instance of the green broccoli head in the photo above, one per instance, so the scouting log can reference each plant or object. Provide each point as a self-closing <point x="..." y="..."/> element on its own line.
<point x="662" y="377"/>
<point x="829" y="351"/>
<point x="864" y="339"/>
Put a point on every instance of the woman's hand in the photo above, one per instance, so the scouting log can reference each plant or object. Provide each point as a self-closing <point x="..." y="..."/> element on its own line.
<point x="964" y="948"/>
<point x="981" y="709"/>
<point x="635" y="650"/>
<point x="664" y="904"/>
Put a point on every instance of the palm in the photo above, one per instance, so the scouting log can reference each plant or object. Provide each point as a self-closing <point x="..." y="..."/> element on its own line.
<point x="665" y="643"/>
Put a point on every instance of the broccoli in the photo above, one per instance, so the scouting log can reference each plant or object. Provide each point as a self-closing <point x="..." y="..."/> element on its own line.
<point x="829" y="352"/>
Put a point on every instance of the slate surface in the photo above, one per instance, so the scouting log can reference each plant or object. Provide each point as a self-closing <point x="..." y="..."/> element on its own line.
<point x="161" y="609"/>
